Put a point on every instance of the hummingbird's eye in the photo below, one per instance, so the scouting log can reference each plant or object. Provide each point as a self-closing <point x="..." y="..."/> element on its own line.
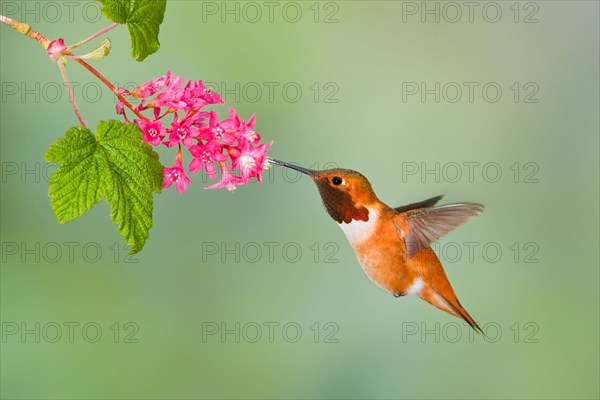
<point x="336" y="180"/>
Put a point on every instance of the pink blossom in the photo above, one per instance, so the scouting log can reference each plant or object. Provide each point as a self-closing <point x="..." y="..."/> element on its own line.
<point x="212" y="97"/>
<point x="200" y="119"/>
<point x="142" y="106"/>
<point x="176" y="174"/>
<point x="217" y="132"/>
<point x="233" y="123"/>
<point x="196" y="96"/>
<point x="153" y="131"/>
<point x="123" y="91"/>
<point x="228" y="180"/>
<point x="232" y="143"/>
<point x="250" y="160"/>
<point x="205" y="157"/>
<point x="247" y="132"/>
<point x="171" y="96"/>
<point x="151" y="88"/>
<point x="56" y="48"/>
<point x="182" y="132"/>
<point x="240" y="128"/>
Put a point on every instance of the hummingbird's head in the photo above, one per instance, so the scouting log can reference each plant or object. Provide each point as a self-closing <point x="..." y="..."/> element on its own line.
<point x="345" y="193"/>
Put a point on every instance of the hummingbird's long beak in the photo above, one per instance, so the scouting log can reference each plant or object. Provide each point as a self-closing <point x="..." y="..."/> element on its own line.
<point x="306" y="171"/>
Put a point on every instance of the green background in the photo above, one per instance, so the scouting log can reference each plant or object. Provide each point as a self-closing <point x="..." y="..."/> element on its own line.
<point x="541" y="317"/>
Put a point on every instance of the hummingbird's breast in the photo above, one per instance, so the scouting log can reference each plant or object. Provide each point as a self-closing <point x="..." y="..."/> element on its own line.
<point x="380" y="251"/>
<point x="360" y="231"/>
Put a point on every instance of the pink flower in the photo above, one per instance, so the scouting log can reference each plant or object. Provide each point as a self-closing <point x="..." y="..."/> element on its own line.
<point x="247" y="132"/>
<point x="217" y="132"/>
<point x="142" y="106"/>
<point x="123" y="91"/>
<point x="233" y="123"/>
<point x="171" y="96"/>
<point x="176" y="175"/>
<point x="200" y="119"/>
<point x="153" y="131"/>
<point x="56" y="48"/>
<point x="209" y="140"/>
<point x="205" y="157"/>
<point x="181" y="132"/>
<point x="151" y="88"/>
<point x="212" y="97"/>
<point x="228" y="180"/>
<point x="250" y="160"/>
<point x="239" y="127"/>
<point x="193" y="95"/>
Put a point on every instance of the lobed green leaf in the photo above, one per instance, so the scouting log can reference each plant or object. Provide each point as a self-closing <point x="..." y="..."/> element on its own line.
<point x="115" y="164"/>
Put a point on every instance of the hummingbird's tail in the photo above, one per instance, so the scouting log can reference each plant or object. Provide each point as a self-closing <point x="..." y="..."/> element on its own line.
<point x="435" y="287"/>
<point x="449" y="303"/>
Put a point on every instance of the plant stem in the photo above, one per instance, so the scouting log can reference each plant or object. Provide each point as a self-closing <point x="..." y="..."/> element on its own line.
<point x="25" y="29"/>
<point x="110" y="86"/>
<point x="63" y="72"/>
<point x="94" y="36"/>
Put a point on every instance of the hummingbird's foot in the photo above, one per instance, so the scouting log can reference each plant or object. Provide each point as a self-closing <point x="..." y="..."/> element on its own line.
<point x="400" y="294"/>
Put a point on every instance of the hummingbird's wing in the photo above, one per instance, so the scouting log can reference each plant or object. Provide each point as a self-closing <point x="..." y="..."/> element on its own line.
<point x="422" y="226"/>
<point x="421" y="204"/>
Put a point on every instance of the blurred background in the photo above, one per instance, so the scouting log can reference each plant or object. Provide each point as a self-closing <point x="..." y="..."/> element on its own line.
<point x="257" y="294"/>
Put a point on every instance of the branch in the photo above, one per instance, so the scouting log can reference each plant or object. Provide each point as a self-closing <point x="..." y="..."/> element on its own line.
<point x="63" y="72"/>
<point x="25" y="29"/>
<point x="110" y="86"/>
<point x="94" y="36"/>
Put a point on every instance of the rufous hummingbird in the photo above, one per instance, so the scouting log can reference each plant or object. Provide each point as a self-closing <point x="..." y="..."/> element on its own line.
<point x="393" y="244"/>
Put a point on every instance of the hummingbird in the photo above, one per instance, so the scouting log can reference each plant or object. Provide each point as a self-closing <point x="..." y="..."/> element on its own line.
<point x="392" y="245"/>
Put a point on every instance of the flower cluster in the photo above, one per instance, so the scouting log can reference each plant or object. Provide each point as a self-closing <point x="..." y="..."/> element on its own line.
<point x="211" y="143"/>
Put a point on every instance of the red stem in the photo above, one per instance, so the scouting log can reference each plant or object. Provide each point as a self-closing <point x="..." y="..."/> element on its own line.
<point x="26" y="30"/>
<point x="63" y="72"/>
<point x="111" y="87"/>
<point x="94" y="36"/>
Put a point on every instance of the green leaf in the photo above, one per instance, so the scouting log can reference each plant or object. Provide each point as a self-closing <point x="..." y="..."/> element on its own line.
<point x="115" y="164"/>
<point x="143" y="19"/>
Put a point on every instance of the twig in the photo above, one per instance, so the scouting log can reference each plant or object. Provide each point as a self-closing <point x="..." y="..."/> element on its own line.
<point x="111" y="87"/>
<point x="63" y="72"/>
<point x="94" y="36"/>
